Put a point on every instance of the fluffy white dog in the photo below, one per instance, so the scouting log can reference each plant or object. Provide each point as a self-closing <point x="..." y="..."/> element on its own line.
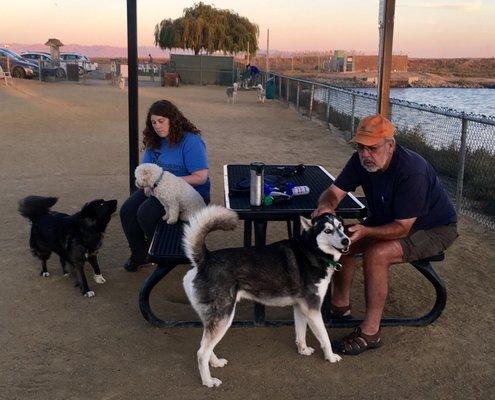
<point x="260" y="93"/>
<point x="179" y="198"/>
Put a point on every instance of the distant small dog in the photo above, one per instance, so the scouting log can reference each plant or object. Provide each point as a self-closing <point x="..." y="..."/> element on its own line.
<point x="121" y="82"/>
<point x="293" y="272"/>
<point x="75" y="238"/>
<point x="179" y="199"/>
<point x="260" y="93"/>
<point x="231" y="92"/>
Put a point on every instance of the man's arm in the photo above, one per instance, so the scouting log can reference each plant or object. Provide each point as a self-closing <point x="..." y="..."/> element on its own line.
<point x="329" y="201"/>
<point x="394" y="230"/>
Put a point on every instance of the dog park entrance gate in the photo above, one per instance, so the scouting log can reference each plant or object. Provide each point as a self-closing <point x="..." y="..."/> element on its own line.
<point x="203" y="69"/>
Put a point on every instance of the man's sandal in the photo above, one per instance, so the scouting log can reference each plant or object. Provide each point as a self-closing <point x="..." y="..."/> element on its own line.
<point x="340" y="312"/>
<point x="356" y="342"/>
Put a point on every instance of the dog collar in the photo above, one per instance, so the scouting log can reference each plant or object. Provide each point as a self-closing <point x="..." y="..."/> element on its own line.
<point x="158" y="181"/>
<point x="331" y="263"/>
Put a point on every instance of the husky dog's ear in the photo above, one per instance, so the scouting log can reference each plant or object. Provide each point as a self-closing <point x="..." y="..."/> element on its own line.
<point x="305" y="223"/>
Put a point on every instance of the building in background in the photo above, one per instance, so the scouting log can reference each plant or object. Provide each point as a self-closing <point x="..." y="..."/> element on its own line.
<point x="342" y="61"/>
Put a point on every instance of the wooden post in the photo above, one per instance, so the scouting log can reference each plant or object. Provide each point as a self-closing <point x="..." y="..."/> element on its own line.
<point x="386" y="27"/>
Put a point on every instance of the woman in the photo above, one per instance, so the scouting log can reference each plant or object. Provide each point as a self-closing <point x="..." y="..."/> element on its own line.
<point x="175" y="144"/>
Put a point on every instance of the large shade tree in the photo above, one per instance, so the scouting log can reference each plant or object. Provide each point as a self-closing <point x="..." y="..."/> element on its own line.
<point x="204" y="27"/>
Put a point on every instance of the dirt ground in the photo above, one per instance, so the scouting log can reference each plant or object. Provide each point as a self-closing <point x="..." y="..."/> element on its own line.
<point x="71" y="141"/>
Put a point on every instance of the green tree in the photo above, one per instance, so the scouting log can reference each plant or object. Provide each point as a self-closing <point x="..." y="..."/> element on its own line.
<point x="211" y="29"/>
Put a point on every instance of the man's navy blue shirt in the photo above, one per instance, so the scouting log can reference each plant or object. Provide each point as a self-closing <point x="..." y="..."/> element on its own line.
<point x="408" y="188"/>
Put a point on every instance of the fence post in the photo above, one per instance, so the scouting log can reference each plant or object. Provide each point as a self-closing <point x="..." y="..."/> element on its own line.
<point x="40" y="72"/>
<point x="280" y="87"/>
<point x="327" y="115"/>
<point x="287" y="92"/>
<point x="311" y="100"/>
<point x="200" y="70"/>
<point x="352" y="113"/>
<point x="460" y="167"/>
<point x="297" y="96"/>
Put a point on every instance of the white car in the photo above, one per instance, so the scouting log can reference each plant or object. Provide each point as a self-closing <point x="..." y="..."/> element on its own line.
<point x="35" y="56"/>
<point x="85" y="65"/>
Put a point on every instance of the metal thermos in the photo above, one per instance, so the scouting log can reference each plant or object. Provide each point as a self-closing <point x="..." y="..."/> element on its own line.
<point x="256" y="184"/>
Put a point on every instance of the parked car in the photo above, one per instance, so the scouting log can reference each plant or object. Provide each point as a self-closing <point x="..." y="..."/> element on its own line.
<point x="35" y="56"/>
<point x="85" y="65"/>
<point x="19" y="67"/>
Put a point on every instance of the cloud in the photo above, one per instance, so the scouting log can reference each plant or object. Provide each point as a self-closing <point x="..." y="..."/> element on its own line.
<point x="466" y="6"/>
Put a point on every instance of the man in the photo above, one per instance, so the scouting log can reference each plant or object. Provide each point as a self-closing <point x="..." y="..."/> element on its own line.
<point x="410" y="217"/>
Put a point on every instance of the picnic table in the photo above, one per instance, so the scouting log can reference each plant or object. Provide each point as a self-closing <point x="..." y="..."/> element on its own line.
<point x="166" y="248"/>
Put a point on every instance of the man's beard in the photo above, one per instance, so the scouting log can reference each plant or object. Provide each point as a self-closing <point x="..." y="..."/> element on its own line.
<point x="373" y="168"/>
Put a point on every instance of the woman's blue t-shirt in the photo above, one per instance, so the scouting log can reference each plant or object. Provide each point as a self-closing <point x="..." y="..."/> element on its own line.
<point x="186" y="157"/>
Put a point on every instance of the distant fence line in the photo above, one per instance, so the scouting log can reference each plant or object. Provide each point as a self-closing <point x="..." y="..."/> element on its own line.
<point x="459" y="145"/>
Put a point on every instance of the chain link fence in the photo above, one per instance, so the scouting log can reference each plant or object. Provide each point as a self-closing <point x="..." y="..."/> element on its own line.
<point x="460" y="146"/>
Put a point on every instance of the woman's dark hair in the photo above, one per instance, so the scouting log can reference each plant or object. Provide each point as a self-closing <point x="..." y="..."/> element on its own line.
<point x="178" y="124"/>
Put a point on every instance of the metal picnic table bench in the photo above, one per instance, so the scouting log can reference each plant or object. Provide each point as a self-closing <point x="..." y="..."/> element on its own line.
<point x="166" y="247"/>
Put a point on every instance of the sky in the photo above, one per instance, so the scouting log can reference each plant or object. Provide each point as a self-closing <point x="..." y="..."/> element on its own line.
<point x="422" y="28"/>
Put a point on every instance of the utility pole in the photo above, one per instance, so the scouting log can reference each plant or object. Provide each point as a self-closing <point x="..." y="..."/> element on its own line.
<point x="386" y="29"/>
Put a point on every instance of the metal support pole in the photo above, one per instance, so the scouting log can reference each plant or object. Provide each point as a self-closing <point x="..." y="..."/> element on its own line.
<point x="297" y="95"/>
<point x="200" y="70"/>
<point x="353" y="109"/>
<point x="280" y="87"/>
<point x="327" y="115"/>
<point x="40" y="72"/>
<point x="311" y="100"/>
<point x="132" y="57"/>
<point x="462" y="162"/>
<point x="386" y="28"/>
<point x="288" y="92"/>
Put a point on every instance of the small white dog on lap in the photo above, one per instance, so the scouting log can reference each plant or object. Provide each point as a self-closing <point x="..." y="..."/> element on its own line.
<point x="178" y="197"/>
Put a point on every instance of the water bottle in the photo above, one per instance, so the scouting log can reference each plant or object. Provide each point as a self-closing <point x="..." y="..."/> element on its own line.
<point x="299" y="190"/>
<point x="256" y="184"/>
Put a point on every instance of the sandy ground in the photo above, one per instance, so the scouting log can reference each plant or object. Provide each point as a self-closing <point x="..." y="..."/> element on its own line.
<point x="70" y="141"/>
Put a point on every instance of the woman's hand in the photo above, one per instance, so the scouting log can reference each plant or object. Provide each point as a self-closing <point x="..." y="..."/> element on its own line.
<point x="148" y="191"/>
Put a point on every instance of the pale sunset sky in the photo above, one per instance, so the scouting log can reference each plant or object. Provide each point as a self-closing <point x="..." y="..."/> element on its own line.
<point x="423" y="28"/>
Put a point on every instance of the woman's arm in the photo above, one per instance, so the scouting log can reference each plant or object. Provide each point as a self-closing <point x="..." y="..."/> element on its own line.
<point x="197" y="177"/>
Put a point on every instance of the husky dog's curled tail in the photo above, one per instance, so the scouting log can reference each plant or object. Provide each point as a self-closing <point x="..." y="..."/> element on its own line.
<point x="211" y="218"/>
<point x="34" y="207"/>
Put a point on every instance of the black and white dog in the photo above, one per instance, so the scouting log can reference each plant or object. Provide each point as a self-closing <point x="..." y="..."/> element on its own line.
<point x="287" y="273"/>
<point x="74" y="238"/>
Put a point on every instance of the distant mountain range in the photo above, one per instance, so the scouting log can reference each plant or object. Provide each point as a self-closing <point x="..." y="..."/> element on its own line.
<point x="97" y="51"/>
<point x="93" y="51"/>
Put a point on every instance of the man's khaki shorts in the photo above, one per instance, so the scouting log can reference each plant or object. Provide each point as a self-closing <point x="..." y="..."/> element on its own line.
<point x="426" y="243"/>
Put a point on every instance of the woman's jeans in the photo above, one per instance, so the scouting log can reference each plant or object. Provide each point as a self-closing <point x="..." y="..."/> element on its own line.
<point x="139" y="216"/>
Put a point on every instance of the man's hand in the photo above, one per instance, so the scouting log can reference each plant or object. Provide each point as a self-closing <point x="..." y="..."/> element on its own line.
<point x="358" y="232"/>
<point x="148" y="191"/>
<point x="322" y="209"/>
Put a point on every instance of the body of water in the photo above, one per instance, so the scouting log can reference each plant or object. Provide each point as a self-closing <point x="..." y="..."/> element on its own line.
<point x="477" y="101"/>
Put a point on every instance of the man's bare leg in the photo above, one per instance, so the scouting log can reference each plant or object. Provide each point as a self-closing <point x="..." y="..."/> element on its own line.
<point x="376" y="262"/>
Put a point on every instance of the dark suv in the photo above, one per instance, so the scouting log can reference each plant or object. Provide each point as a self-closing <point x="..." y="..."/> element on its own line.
<point x="19" y="67"/>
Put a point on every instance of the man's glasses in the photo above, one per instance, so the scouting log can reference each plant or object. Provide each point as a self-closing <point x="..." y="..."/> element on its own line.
<point x="370" y="149"/>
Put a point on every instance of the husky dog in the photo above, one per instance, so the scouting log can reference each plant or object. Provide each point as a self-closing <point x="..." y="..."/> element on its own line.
<point x="260" y="93"/>
<point x="292" y="272"/>
<point x="231" y="92"/>
<point x="178" y="197"/>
